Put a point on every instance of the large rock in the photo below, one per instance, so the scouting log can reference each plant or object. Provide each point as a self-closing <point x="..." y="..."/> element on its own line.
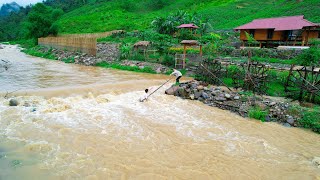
<point x="172" y="90"/>
<point x="290" y="120"/>
<point x="200" y="87"/>
<point x="316" y="161"/>
<point x="197" y="94"/>
<point x="228" y="96"/>
<point x="220" y="98"/>
<point x="205" y="95"/>
<point x="13" y="102"/>
<point x="191" y="96"/>
<point x="181" y="92"/>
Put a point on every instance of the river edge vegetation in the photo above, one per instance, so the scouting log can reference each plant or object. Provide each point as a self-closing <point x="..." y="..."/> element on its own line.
<point x="156" y="26"/>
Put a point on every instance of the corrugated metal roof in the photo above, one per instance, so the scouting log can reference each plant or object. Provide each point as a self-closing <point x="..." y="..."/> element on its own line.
<point x="279" y="24"/>
<point x="188" y="26"/>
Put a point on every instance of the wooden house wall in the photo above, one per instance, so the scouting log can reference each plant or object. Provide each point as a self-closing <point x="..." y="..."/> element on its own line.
<point x="261" y="35"/>
<point x="312" y="34"/>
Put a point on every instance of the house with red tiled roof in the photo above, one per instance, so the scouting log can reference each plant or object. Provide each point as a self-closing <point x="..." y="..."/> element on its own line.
<point x="292" y="30"/>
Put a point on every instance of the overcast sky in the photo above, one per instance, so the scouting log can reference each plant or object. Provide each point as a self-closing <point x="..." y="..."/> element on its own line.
<point x="20" y="2"/>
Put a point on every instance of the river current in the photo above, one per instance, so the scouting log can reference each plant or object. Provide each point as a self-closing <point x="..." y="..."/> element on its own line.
<point x="78" y="122"/>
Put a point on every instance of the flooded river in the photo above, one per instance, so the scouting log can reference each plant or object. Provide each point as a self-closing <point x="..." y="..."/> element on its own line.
<point x="77" y="122"/>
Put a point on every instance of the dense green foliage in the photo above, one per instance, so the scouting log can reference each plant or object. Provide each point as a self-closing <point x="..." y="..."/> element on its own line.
<point x="85" y="16"/>
<point x="40" y="21"/>
<point x="126" y="68"/>
<point x="309" y="117"/>
<point x="309" y="57"/>
<point x="34" y="51"/>
<point x="138" y="15"/>
<point x="11" y="27"/>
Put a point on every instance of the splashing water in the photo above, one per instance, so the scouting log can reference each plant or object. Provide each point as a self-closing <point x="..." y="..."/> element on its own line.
<point x="87" y="122"/>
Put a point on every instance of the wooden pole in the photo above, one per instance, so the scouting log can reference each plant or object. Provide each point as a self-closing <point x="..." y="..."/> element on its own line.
<point x="184" y="55"/>
<point x="200" y="50"/>
<point x="307" y="39"/>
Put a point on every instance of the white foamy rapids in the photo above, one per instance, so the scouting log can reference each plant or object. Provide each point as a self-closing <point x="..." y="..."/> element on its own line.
<point x="78" y="135"/>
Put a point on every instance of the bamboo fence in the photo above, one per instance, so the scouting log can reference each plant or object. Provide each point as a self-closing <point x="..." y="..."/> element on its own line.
<point x="86" y="43"/>
<point x="83" y="44"/>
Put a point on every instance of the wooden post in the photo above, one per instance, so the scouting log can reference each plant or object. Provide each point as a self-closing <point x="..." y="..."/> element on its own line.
<point x="200" y="50"/>
<point x="184" y="55"/>
<point x="260" y="44"/>
<point x="307" y="39"/>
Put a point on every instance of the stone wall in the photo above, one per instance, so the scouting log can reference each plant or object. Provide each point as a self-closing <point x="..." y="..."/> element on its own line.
<point x="108" y="52"/>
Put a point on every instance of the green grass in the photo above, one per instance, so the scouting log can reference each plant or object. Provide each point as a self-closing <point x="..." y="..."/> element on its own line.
<point x="273" y="60"/>
<point x="126" y="68"/>
<point x="257" y="113"/>
<point x="137" y="15"/>
<point x="309" y="117"/>
<point x="25" y="43"/>
<point x="34" y="51"/>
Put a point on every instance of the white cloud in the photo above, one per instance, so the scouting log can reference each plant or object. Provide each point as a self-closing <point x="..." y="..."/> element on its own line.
<point x="20" y="2"/>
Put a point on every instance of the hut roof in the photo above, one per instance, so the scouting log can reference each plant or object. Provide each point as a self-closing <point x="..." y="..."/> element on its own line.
<point x="189" y="42"/>
<point x="188" y="26"/>
<point x="142" y="43"/>
<point x="279" y="24"/>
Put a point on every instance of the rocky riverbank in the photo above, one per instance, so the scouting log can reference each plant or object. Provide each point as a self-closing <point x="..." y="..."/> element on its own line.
<point x="236" y="101"/>
<point x="107" y="52"/>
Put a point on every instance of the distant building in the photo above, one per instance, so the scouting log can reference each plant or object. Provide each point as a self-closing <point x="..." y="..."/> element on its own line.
<point x="292" y="30"/>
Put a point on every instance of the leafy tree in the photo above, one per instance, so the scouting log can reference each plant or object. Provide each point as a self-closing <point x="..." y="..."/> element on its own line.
<point x="309" y="57"/>
<point x="169" y="24"/>
<point x="11" y="26"/>
<point x="40" y="21"/>
<point x="250" y="39"/>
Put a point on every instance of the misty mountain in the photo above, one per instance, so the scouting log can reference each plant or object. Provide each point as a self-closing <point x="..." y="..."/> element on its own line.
<point x="6" y="9"/>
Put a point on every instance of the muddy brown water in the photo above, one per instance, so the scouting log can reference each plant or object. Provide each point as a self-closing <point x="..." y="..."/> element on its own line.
<point x="86" y="123"/>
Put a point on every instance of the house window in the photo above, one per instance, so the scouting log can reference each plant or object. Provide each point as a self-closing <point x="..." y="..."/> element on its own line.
<point x="251" y="32"/>
<point x="270" y="34"/>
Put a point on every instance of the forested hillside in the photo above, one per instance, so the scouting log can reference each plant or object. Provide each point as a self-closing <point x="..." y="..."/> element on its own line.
<point x="85" y="16"/>
<point x="225" y="14"/>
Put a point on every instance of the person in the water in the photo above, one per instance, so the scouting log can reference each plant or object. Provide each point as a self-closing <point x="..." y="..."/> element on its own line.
<point x="144" y="97"/>
<point x="177" y="74"/>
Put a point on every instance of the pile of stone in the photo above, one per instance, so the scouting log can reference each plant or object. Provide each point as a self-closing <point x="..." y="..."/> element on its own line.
<point x="108" y="52"/>
<point x="232" y="100"/>
<point x="159" y="68"/>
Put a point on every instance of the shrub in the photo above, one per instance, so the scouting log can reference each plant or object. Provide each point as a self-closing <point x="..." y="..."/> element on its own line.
<point x="126" y="68"/>
<point x="310" y="119"/>
<point x="138" y="57"/>
<point x="125" y="51"/>
<point x="309" y="57"/>
<point x="168" y="60"/>
<point x="257" y="113"/>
